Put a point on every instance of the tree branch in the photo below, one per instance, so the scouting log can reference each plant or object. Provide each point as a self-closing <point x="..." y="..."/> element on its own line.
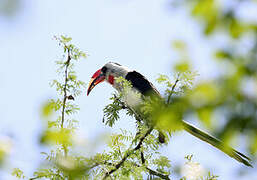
<point x="118" y="165"/>
<point x="67" y="63"/>
<point x="172" y="89"/>
<point x="153" y="172"/>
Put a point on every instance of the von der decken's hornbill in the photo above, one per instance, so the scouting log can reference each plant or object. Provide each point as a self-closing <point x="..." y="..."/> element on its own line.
<point x="110" y="71"/>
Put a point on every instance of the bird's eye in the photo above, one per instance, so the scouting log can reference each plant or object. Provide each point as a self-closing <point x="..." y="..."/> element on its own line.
<point x="104" y="69"/>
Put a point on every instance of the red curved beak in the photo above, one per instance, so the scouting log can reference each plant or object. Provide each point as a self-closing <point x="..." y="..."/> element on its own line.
<point x="97" y="78"/>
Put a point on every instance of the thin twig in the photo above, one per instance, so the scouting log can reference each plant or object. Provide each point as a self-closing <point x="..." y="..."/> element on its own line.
<point x="153" y="172"/>
<point x="172" y="89"/>
<point x="118" y="165"/>
<point x="40" y="177"/>
<point x="67" y="63"/>
<point x="33" y="178"/>
<point x="142" y="157"/>
<point x="65" y="86"/>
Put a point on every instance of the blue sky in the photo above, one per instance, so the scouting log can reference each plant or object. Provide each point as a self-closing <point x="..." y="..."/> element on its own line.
<point x="135" y="33"/>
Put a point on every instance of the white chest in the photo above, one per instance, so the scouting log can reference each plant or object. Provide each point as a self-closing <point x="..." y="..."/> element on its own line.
<point x="130" y="96"/>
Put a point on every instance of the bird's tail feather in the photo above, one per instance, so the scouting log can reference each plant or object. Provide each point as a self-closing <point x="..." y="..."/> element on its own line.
<point x="216" y="143"/>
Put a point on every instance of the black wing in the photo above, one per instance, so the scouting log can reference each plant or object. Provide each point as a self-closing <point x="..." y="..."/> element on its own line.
<point x="140" y="83"/>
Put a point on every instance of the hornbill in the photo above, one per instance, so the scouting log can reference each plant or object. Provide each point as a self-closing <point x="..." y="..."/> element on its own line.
<point x="111" y="71"/>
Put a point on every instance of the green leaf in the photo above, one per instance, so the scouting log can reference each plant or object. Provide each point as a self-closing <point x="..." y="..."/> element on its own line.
<point x="18" y="173"/>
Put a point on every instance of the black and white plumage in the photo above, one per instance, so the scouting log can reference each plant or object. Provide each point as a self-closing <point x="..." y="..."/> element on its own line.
<point x="140" y="84"/>
<point x="138" y="81"/>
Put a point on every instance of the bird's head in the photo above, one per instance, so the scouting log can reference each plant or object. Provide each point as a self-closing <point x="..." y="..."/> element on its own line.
<point x="107" y="73"/>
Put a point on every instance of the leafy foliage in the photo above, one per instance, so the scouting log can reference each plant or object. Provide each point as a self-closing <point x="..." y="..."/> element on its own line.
<point x="230" y="94"/>
<point x="111" y="111"/>
<point x="18" y="173"/>
<point x="59" y="133"/>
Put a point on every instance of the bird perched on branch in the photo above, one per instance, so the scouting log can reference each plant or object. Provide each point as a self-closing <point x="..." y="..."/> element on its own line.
<point x="111" y="71"/>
